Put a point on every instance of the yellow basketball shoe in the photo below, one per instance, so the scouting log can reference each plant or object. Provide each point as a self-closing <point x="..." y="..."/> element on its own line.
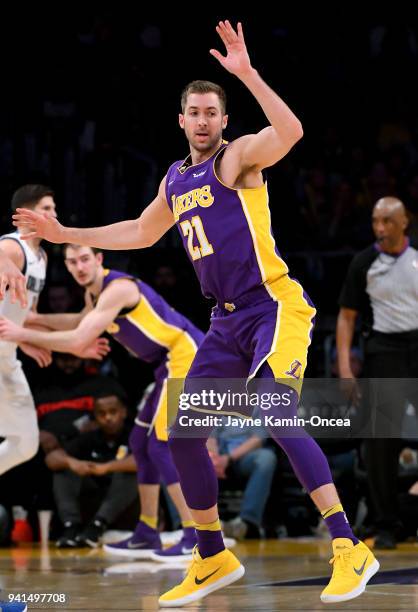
<point x="203" y="577"/>
<point x="353" y="566"/>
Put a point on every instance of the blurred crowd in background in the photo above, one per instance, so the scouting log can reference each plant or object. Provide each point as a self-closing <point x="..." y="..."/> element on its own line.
<point x="91" y="106"/>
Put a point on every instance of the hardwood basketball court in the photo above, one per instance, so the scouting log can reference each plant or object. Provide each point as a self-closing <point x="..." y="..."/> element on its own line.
<point x="280" y="575"/>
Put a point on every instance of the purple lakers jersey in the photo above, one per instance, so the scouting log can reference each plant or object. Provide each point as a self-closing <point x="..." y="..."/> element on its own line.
<point x="226" y="232"/>
<point x="152" y="330"/>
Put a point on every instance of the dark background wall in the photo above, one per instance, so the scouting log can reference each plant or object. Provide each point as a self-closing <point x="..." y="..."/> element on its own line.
<point x="89" y="104"/>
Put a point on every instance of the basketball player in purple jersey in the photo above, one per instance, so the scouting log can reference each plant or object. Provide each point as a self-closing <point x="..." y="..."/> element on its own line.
<point x="140" y="320"/>
<point x="261" y="326"/>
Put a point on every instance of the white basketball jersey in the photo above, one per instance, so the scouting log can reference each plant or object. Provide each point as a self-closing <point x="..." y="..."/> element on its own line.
<point x="34" y="270"/>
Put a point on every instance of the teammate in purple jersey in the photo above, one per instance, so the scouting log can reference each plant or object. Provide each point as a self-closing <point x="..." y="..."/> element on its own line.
<point x="150" y="329"/>
<point x="261" y="327"/>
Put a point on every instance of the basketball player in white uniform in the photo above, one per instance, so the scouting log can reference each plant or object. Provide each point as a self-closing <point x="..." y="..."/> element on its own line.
<point x="18" y="422"/>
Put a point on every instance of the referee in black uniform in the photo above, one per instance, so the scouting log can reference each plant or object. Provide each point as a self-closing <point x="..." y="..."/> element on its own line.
<point x="382" y="286"/>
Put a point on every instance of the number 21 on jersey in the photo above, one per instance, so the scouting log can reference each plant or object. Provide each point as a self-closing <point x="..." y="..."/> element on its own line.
<point x="195" y="226"/>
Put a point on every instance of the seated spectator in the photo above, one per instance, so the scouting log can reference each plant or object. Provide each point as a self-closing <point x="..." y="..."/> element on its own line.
<point x="97" y="463"/>
<point x="65" y="400"/>
<point x="64" y="405"/>
<point x="238" y="453"/>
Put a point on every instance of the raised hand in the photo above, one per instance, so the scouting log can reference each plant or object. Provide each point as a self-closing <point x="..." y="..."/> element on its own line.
<point x="98" y="349"/>
<point x="40" y="225"/>
<point x="236" y="60"/>
<point x="12" y="277"/>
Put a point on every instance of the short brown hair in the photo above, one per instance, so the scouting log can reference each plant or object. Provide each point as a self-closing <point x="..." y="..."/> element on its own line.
<point x="202" y="87"/>
<point x="28" y="196"/>
<point x="69" y="245"/>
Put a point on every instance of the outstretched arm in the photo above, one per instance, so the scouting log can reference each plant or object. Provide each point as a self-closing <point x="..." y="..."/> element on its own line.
<point x="139" y="233"/>
<point x="111" y="301"/>
<point x="264" y="149"/>
<point x="58" y="321"/>
<point x="65" y="320"/>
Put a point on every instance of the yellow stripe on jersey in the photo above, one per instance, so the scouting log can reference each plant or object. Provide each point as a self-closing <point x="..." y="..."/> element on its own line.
<point x="149" y="322"/>
<point x="289" y="349"/>
<point x="256" y="210"/>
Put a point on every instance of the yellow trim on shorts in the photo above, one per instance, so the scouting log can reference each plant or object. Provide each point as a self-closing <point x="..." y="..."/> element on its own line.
<point x="179" y="360"/>
<point x="181" y="349"/>
<point x="289" y="350"/>
<point x="160" y="417"/>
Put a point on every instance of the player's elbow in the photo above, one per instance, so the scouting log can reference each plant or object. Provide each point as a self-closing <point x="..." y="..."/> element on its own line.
<point x="296" y="132"/>
<point x="283" y="140"/>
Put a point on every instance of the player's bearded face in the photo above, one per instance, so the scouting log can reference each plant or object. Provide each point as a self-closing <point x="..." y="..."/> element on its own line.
<point x="203" y="137"/>
<point x="203" y="121"/>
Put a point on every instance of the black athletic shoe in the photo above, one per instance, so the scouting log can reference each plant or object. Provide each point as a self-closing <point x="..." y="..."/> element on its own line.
<point x="92" y="534"/>
<point x="68" y="537"/>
